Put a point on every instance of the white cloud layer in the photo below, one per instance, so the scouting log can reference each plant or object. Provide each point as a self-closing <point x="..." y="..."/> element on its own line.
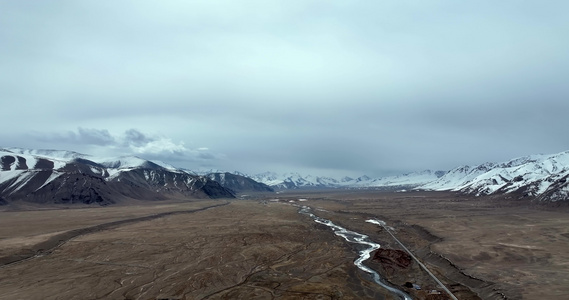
<point x="163" y="145"/>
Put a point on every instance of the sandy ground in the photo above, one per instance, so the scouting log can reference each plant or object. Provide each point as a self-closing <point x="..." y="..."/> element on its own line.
<point x="481" y="248"/>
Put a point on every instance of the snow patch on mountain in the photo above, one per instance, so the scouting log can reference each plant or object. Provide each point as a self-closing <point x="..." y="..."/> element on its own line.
<point x="62" y="155"/>
<point x="54" y="175"/>
<point x="21" y="181"/>
<point x="6" y="176"/>
<point x="17" y="164"/>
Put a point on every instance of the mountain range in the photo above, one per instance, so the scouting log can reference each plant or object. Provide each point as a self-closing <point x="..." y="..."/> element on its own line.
<point x="58" y="176"/>
<point x="54" y="176"/>
<point x="295" y="180"/>
<point x="545" y="177"/>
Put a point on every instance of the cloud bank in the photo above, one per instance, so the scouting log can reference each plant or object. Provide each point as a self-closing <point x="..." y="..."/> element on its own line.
<point x="326" y="87"/>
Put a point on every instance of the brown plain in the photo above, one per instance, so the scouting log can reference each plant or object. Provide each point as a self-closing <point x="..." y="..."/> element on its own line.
<point x="481" y="248"/>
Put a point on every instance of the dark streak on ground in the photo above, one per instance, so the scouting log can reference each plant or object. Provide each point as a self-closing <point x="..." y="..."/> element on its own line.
<point x="46" y="247"/>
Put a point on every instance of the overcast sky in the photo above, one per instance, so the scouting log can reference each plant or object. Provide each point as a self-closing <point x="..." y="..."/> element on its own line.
<point x="321" y="87"/>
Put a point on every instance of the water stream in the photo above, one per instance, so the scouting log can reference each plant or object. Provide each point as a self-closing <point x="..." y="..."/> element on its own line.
<point x="357" y="238"/>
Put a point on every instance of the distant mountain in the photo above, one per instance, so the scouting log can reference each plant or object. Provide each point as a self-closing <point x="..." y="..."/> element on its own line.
<point x="545" y="177"/>
<point x="408" y="180"/>
<point x="297" y="181"/>
<point x="54" y="176"/>
<point x="239" y="183"/>
<point x="273" y="180"/>
<point x="542" y="177"/>
<point x="293" y="181"/>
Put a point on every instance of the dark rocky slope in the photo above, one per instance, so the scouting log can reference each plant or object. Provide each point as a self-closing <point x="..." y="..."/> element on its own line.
<point x="79" y="180"/>
<point x="239" y="183"/>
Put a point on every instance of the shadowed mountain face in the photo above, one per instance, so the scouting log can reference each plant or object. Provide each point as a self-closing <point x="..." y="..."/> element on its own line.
<point x="74" y="179"/>
<point x="239" y="183"/>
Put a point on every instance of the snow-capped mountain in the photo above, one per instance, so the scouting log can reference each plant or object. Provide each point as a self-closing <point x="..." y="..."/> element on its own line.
<point x="271" y="179"/>
<point x="405" y="180"/>
<point x="54" y="176"/>
<point x="543" y="176"/>
<point x="295" y="180"/>
<point x="62" y="155"/>
<point x="119" y="163"/>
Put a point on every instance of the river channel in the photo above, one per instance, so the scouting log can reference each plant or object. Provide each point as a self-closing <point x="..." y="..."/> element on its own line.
<point x="357" y="238"/>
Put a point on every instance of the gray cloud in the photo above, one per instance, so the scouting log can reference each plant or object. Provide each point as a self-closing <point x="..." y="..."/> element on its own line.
<point x="85" y="136"/>
<point x="130" y="142"/>
<point x="93" y="137"/>
<point x="321" y="86"/>
<point x="136" y="138"/>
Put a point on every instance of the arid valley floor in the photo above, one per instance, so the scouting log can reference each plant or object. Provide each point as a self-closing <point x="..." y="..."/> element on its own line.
<point x="260" y="247"/>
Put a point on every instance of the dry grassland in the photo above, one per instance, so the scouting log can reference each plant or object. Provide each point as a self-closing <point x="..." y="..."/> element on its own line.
<point x="245" y="250"/>
<point x="481" y="248"/>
